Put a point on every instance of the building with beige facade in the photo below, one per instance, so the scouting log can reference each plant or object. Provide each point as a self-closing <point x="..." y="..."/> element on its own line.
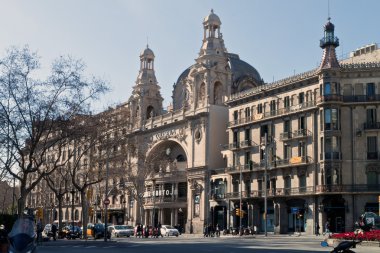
<point x="319" y="162"/>
<point x="210" y="160"/>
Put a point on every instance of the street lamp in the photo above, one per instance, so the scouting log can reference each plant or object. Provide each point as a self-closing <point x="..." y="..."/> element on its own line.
<point x="265" y="184"/>
<point x="72" y="208"/>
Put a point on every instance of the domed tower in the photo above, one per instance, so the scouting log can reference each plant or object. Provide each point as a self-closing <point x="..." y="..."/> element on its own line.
<point x="146" y="100"/>
<point x="213" y="43"/>
<point x="216" y="73"/>
<point x="328" y="43"/>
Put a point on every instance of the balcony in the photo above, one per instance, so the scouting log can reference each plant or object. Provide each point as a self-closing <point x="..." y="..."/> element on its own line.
<point x="362" y="98"/>
<point x="330" y="98"/>
<point x="273" y="113"/>
<point x="297" y="134"/>
<point x="164" y="199"/>
<point x="371" y="126"/>
<point x="331" y="156"/>
<point x="372" y="155"/>
<point x="244" y="168"/>
<point x="248" y="144"/>
<point x="293" y="162"/>
<point x="305" y="190"/>
<point x="348" y="188"/>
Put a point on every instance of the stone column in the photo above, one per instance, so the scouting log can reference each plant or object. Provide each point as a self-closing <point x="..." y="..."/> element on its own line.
<point x="280" y="217"/>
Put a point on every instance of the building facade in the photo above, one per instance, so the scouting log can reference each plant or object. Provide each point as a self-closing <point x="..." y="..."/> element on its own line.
<point x="309" y="143"/>
<point x="232" y="150"/>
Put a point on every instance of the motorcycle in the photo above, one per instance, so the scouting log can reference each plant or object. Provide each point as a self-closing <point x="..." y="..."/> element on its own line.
<point x="22" y="237"/>
<point x="343" y="247"/>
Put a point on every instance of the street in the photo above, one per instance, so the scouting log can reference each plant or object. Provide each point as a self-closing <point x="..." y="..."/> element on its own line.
<point x="186" y="244"/>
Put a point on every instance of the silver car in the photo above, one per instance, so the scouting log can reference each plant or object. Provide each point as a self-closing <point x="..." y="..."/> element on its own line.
<point x="120" y="230"/>
<point x="168" y="230"/>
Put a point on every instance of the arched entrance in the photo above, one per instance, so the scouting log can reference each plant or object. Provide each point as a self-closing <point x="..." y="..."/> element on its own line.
<point x="166" y="191"/>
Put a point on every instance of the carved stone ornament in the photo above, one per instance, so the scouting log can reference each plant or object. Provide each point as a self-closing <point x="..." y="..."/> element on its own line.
<point x="195" y="186"/>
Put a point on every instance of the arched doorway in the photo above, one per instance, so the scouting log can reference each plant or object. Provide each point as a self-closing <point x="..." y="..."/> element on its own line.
<point x="166" y="190"/>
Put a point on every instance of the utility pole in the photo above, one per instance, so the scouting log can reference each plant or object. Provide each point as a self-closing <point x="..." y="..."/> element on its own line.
<point x="265" y="185"/>
<point x="106" y="201"/>
<point x="241" y="193"/>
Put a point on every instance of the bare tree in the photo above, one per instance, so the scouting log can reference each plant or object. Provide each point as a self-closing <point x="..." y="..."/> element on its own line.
<point x="33" y="113"/>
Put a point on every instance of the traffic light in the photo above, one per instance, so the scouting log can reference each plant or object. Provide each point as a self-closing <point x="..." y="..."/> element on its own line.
<point x="39" y="213"/>
<point x="237" y="211"/>
<point x="242" y="213"/>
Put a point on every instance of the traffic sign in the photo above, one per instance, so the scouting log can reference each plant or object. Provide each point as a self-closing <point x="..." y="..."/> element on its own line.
<point x="106" y="202"/>
<point x="294" y="210"/>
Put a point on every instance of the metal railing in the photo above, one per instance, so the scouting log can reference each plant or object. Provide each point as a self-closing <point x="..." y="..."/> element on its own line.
<point x="306" y="190"/>
<point x="371" y="125"/>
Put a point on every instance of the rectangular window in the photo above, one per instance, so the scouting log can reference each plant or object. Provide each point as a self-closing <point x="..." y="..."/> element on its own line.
<point x="287" y="128"/>
<point x="370" y="89"/>
<point x="288" y="182"/>
<point x="371" y="117"/>
<point x="247" y="134"/>
<point x="301" y="98"/>
<point x="327" y="89"/>
<point x="301" y="149"/>
<point x="302" y="183"/>
<point x="286" y="102"/>
<point x="327" y="119"/>
<point x="247" y="112"/>
<point x="260" y="108"/>
<point x="287" y="152"/>
<point x="372" y="148"/>
<point x="272" y="106"/>
<point x="301" y="123"/>
<point x="182" y="189"/>
<point x="247" y="158"/>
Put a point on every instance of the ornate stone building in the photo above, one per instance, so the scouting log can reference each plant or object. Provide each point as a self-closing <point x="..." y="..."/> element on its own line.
<point x="207" y="155"/>
<point x="320" y="161"/>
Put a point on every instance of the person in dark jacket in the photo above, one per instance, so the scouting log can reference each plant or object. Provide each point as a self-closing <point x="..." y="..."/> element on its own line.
<point x="3" y="239"/>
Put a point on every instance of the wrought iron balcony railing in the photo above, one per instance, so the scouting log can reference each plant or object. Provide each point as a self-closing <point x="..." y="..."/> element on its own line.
<point x="371" y="125"/>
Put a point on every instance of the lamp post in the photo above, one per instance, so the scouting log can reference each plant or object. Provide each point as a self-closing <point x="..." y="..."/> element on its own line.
<point x="106" y="201"/>
<point x="72" y="208"/>
<point x="265" y="186"/>
<point x="240" y="200"/>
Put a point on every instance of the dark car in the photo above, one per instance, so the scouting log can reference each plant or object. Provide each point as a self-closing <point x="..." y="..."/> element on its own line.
<point x="97" y="231"/>
<point x="71" y="232"/>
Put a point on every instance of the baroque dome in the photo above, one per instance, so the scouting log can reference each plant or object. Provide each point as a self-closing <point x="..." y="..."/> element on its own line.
<point x="212" y="19"/>
<point x="240" y="69"/>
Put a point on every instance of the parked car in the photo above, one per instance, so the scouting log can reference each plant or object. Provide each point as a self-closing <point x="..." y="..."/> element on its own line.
<point x="168" y="230"/>
<point x="71" y="232"/>
<point x="121" y="230"/>
<point x="97" y="230"/>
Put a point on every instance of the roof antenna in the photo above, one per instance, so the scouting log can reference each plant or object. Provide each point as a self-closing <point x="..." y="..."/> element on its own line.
<point x="328" y="9"/>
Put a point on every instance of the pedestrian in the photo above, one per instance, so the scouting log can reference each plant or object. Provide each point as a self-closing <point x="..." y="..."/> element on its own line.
<point x="39" y="232"/>
<point x="317" y="229"/>
<point x="3" y="239"/>
<point x="327" y="228"/>
<point x="54" y="231"/>
<point x="217" y="230"/>
<point x="159" y="229"/>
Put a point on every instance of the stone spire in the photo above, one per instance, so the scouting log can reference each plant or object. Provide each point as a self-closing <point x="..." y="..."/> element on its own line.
<point x="328" y="43"/>
<point x="213" y="43"/>
<point x="146" y="100"/>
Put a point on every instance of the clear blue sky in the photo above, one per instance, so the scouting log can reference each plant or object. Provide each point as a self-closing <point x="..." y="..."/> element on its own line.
<point x="277" y="37"/>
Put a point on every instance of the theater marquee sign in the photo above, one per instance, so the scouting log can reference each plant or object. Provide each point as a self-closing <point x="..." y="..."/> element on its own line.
<point x="176" y="133"/>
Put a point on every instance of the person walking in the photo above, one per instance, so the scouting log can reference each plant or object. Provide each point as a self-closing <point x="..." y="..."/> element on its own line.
<point x="317" y="229"/>
<point x="54" y="231"/>
<point x="327" y="228"/>
<point x="3" y="239"/>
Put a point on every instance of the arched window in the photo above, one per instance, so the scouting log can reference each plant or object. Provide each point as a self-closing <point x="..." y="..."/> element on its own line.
<point x="181" y="158"/>
<point x="202" y="94"/>
<point x="76" y="215"/>
<point x="150" y="112"/>
<point x="218" y="93"/>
